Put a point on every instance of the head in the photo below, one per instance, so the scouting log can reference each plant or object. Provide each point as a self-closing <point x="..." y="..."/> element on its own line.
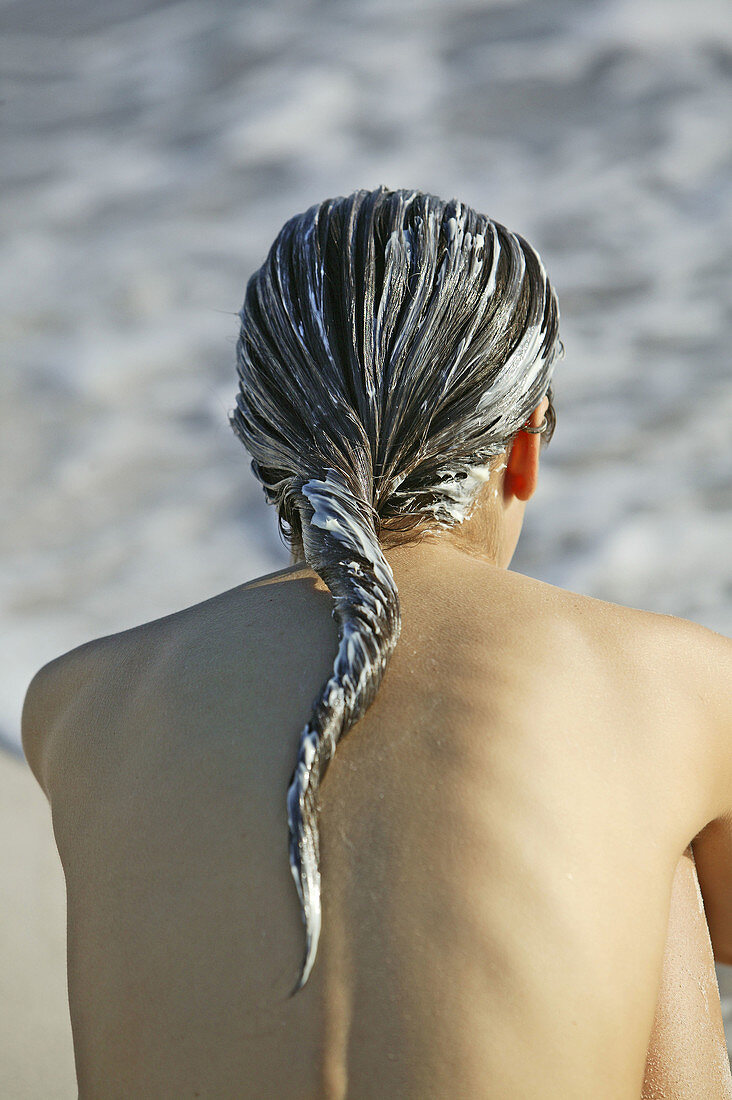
<point x="393" y="346"/>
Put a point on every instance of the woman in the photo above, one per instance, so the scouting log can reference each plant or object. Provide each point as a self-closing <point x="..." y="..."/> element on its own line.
<point x="500" y="836"/>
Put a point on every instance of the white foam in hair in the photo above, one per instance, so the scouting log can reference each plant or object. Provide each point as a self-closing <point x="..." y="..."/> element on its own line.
<point x="391" y="346"/>
<point x="364" y="612"/>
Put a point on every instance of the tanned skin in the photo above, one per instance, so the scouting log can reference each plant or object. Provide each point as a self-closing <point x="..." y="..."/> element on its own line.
<point x="511" y="905"/>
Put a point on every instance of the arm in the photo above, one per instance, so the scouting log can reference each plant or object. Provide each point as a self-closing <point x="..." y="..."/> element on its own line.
<point x="713" y="855"/>
<point x="35" y="721"/>
<point x="51" y="694"/>
<point x="687" y="1053"/>
<point x="712" y="665"/>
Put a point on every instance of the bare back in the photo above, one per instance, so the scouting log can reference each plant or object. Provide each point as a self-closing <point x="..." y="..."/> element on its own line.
<point x="499" y="837"/>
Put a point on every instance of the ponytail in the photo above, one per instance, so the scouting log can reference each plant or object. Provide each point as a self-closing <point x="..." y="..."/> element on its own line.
<point x="341" y="546"/>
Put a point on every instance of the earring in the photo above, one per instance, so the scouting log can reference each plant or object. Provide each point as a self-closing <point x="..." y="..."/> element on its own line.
<point x="536" y="431"/>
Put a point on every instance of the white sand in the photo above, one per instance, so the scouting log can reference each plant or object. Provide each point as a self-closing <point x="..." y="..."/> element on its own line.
<point x="36" y="1054"/>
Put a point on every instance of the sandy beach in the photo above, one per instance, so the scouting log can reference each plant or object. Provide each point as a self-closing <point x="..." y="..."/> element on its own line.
<point x="36" y="1055"/>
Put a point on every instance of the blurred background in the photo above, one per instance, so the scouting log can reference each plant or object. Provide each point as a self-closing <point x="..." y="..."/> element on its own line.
<point x="151" y="152"/>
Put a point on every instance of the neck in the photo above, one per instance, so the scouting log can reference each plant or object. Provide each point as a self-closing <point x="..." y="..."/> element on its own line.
<point x="490" y="535"/>
<point x="432" y="549"/>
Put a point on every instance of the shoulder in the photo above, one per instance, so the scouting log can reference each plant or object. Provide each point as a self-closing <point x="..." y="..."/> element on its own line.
<point x="695" y="660"/>
<point x="668" y="636"/>
<point x="700" y="657"/>
<point x="79" y="698"/>
<point x="108" y="671"/>
<point x="46" y="699"/>
<point x="690" y="661"/>
<point x="684" y="671"/>
<point x="701" y="660"/>
<point x="64" y="692"/>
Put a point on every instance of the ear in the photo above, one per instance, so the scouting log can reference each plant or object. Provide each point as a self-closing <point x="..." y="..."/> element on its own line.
<point x="522" y="464"/>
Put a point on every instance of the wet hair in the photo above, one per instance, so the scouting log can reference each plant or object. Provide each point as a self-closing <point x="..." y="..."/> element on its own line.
<point x="392" y="345"/>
